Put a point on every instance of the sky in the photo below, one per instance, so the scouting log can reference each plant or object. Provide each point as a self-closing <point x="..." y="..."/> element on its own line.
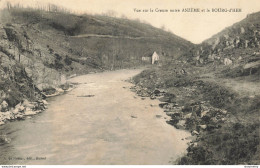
<point x="192" y="26"/>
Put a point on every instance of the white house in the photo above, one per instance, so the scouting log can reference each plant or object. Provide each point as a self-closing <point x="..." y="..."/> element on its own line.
<point x="155" y="58"/>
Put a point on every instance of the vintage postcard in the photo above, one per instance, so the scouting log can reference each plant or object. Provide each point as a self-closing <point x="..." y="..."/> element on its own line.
<point x="133" y="82"/>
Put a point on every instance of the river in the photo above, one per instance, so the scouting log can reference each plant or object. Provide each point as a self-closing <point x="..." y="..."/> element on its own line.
<point x="112" y="126"/>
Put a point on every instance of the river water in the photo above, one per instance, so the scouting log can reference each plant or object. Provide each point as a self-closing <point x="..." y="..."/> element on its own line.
<point x="114" y="126"/>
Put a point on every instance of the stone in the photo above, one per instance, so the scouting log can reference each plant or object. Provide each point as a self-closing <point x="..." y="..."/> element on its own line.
<point x="133" y="116"/>
<point x="181" y="124"/>
<point x="203" y="126"/>
<point x="28" y="104"/>
<point x="29" y="112"/>
<point x="227" y="61"/>
<point x="194" y="132"/>
<point x="195" y="144"/>
<point x="188" y="115"/>
<point x="242" y="30"/>
<point x="4" y="106"/>
<point x="203" y="113"/>
<point x="19" y="107"/>
<point x="223" y="111"/>
<point x="45" y="102"/>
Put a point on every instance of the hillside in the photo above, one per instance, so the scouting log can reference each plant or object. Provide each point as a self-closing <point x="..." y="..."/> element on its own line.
<point x="236" y="45"/>
<point x="99" y="42"/>
<point x="39" y="49"/>
<point x="213" y="91"/>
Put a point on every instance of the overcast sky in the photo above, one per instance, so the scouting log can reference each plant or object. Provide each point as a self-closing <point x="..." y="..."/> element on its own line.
<point x="193" y="26"/>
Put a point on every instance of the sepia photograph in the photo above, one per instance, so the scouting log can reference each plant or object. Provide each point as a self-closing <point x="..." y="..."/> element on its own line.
<point x="129" y="82"/>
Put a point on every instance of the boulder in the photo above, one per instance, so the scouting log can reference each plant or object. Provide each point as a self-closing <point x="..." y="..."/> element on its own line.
<point x="227" y="61"/>
<point x="4" y="106"/>
<point x="242" y="30"/>
<point x="7" y="116"/>
<point x="19" y="108"/>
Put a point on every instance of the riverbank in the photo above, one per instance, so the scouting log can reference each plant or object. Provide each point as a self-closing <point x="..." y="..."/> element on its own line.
<point x="223" y="122"/>
<point x="26" y="108"/>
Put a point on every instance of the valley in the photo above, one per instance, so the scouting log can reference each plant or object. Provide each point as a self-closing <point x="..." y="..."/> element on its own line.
<point x="76" y="72"/>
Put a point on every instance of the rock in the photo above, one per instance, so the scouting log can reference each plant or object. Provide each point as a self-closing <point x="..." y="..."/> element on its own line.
<point x="29" y="112"/>
<point x="181" y="124"/>
<point x="191" y="138"/>
<point x="174" y="114"/>
<point x="15" y="111"/>
<point x="159" y="92"/>
<point x="223" y="111"/>
<point x="2" y="123"/>
<point x="156" y="92"/>
<point x="45" y="102"/>
<point x="158" y="116"/>
<point x="133" y="116"/>
<point x="203" y="126"/>
<point x="19" y="108"/>
<point x="246" y="43"/>
<point x="203" y="113"/>
<point x="7" y="116"/>
<point x="19" y="116"/>
<point x="4" y="139"/>
<point x="59" y="90"/>
<point x="152" y="97"/>
<point x="194" y="132"/>
<point x="28" y="104"/>
<point x="227" y="61"/>
<point x="4" y="106"/>
<point x="188" y="115"/>
<point x="210" y="127"/>
<point x="242" y="30"/>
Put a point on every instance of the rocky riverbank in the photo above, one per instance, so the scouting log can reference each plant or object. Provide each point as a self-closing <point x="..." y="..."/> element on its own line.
<point x="28" y="108"/>
<point x="215" y="115"/>
<point x="21" y="110"/>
